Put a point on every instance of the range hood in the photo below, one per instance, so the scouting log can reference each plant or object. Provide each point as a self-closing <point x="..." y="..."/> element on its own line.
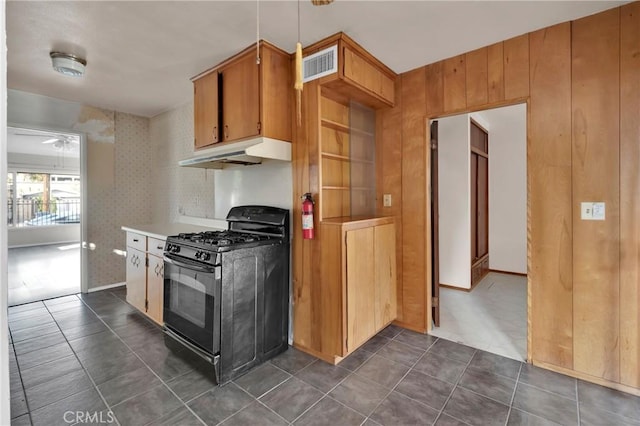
<point x="246" y="152"/>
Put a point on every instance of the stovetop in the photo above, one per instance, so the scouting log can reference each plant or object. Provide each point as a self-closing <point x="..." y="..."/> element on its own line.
<point x="206" y="246"/>
<point x="218" y="239"/>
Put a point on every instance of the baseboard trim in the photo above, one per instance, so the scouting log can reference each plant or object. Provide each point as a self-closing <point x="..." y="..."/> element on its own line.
<point x="106" y="287"/>
<point x="518" y="274"/>
<point x="453" y="287"/>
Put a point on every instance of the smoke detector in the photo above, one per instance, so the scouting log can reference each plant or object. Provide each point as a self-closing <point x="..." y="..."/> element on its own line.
<point x="67" y="64"/>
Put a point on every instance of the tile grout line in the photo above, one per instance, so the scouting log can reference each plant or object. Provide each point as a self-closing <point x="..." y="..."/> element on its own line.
<point x="455" y="386"/>
<point x="81" y="365"/>
<point x="513" y="395"/>
<point x="141" y="360"/>
<point x="258" y="401"/>
<point x="403" y="377"/>
<point x="24" y="391"/>
<point x="577" y="402"/>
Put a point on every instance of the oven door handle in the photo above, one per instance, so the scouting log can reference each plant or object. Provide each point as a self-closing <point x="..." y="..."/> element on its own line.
<point x="188" y="265"/>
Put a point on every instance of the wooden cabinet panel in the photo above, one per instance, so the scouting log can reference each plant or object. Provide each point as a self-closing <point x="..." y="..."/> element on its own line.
<point x="385" y="275"/>
<point x="550" y="204"/>
<point x="240" y="99"/>
<point x="476" y="77"/>
<point x="483" y="207"/>
<point x="516" y="67"/>
<point x="361" y="72"/>
<point x="435" y="88"/>
<point x="495" y="72"/>
<point x="155" y="288"/>
<point x="455" y="94"/>
<point x="361" y="297"/>
<point x="205" y="96"/>
<point x="596" y="177"/>
<point x="629" y="195"/>
<point x="414" y="201"/>
<point x="136" y="278"/>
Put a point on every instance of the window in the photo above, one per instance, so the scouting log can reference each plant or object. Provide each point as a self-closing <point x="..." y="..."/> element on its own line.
<point x="41" y="199"/>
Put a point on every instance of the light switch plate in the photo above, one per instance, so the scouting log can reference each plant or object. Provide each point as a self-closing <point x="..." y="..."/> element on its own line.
<point x="592" y="210"/>
<point x="386" y="200"/>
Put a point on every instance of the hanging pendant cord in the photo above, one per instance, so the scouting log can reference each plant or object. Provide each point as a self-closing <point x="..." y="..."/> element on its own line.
<point x="298" y="20"/>
<point x="258" y="32"/>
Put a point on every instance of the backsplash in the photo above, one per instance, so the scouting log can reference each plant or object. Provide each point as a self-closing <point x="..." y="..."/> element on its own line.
<point x="207" y="193"/>
<point x="178" y="190"/>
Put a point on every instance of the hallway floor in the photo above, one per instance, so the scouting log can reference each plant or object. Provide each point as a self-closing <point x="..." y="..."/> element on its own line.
<point x="43" y="272"/>
<point x="492" y="317"/>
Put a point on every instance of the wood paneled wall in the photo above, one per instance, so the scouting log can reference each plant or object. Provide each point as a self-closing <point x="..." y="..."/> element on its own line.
<point x="581" y="82"/>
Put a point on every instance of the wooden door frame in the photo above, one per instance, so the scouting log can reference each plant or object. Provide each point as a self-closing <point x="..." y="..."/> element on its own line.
<point x="428" y="218"/>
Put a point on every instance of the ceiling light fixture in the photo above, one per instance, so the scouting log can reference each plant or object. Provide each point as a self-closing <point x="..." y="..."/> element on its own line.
<point x="68" y="64"/>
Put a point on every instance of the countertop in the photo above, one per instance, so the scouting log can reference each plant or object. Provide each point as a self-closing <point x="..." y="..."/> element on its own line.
<point x="163" y="230"/>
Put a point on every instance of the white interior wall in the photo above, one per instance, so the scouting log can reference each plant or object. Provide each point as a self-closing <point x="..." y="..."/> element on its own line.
<point x="508" y="188"/>
<point x="454" y="220"/>
<point x="5" y="397"/>
<point x="38" y="235"/>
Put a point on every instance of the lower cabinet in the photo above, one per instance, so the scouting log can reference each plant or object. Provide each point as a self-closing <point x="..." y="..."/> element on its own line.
<point x="145" y="274"/>
<point x="364" y="263"/>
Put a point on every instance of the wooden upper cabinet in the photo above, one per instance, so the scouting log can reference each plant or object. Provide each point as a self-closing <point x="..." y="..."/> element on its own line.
<point x="240" y="99"/>
<point x="360" y="76"/>
<point x="205" y="95"/>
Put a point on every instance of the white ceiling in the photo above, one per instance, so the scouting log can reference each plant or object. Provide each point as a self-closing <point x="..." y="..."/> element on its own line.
<point x="27" y="141"/>
<point x="140" y="55"/>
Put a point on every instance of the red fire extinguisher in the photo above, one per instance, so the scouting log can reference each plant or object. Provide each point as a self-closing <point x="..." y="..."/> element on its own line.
<point x="307" y="216"/>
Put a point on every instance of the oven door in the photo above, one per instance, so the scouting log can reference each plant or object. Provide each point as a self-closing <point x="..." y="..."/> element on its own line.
<point x="192" y="293"/>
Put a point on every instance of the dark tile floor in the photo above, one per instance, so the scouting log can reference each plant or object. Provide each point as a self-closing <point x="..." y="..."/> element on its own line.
<point x="94" y="359"/>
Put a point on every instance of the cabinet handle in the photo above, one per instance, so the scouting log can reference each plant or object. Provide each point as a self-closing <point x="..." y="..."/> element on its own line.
<point x="226" y="132"/>
<point x="162" y="271"/>
<point x="215" y="133"/>
<point x="156" y="270"/>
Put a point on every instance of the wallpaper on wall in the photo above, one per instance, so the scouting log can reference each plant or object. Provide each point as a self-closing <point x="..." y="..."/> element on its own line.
<point x="127" y="201"/>
<point x="178" y="190"/>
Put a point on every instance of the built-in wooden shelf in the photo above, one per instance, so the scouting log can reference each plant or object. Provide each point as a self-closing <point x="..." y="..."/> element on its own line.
<point x="344" y="128"/>
<point x="345" y="158"/>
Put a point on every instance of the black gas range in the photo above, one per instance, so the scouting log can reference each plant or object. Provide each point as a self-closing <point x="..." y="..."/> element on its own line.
<point x="226" y="293"/>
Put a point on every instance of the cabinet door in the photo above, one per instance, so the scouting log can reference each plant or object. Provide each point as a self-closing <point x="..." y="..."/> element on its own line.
<point x="136" y="278"/>
<point x="360" y="284"/>
<point x="155" y="288"/>
<point x="206" y="110"/>
<point x="241" y="99"/>
<point x="385" y="274"/>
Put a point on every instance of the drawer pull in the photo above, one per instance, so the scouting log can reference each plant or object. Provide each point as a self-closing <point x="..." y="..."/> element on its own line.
<point x="160" y="247"/>
<point x="135" y="240"/>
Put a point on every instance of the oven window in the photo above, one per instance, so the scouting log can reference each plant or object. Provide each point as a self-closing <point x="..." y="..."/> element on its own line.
<point x="188" y="297"/>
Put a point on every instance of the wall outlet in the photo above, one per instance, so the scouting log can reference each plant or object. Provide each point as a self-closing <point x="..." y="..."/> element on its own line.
<point x="592" y="210"/>
<point x="386" y="200"/>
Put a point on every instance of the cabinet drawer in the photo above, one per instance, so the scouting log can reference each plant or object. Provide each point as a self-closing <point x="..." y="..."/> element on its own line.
<point x="137" y="241"/>
<point x="156" y="247"/>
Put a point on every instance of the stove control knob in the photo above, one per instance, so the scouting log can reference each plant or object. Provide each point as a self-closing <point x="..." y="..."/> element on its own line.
<point x="175" y="249"/>
<point x="205" y="256"/>
<point x="198" y="254"/>
<point x="169" y="247"/>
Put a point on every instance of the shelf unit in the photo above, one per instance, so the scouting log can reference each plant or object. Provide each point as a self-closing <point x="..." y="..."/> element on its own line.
<point x="347" y="160"/>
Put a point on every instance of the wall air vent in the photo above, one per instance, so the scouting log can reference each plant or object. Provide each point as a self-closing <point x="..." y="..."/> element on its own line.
<point x="319" y="64"/>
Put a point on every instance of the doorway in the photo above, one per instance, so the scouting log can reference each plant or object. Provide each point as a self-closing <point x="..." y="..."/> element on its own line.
<point x="479" y="191"/>
<point x="44" y="214"/>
